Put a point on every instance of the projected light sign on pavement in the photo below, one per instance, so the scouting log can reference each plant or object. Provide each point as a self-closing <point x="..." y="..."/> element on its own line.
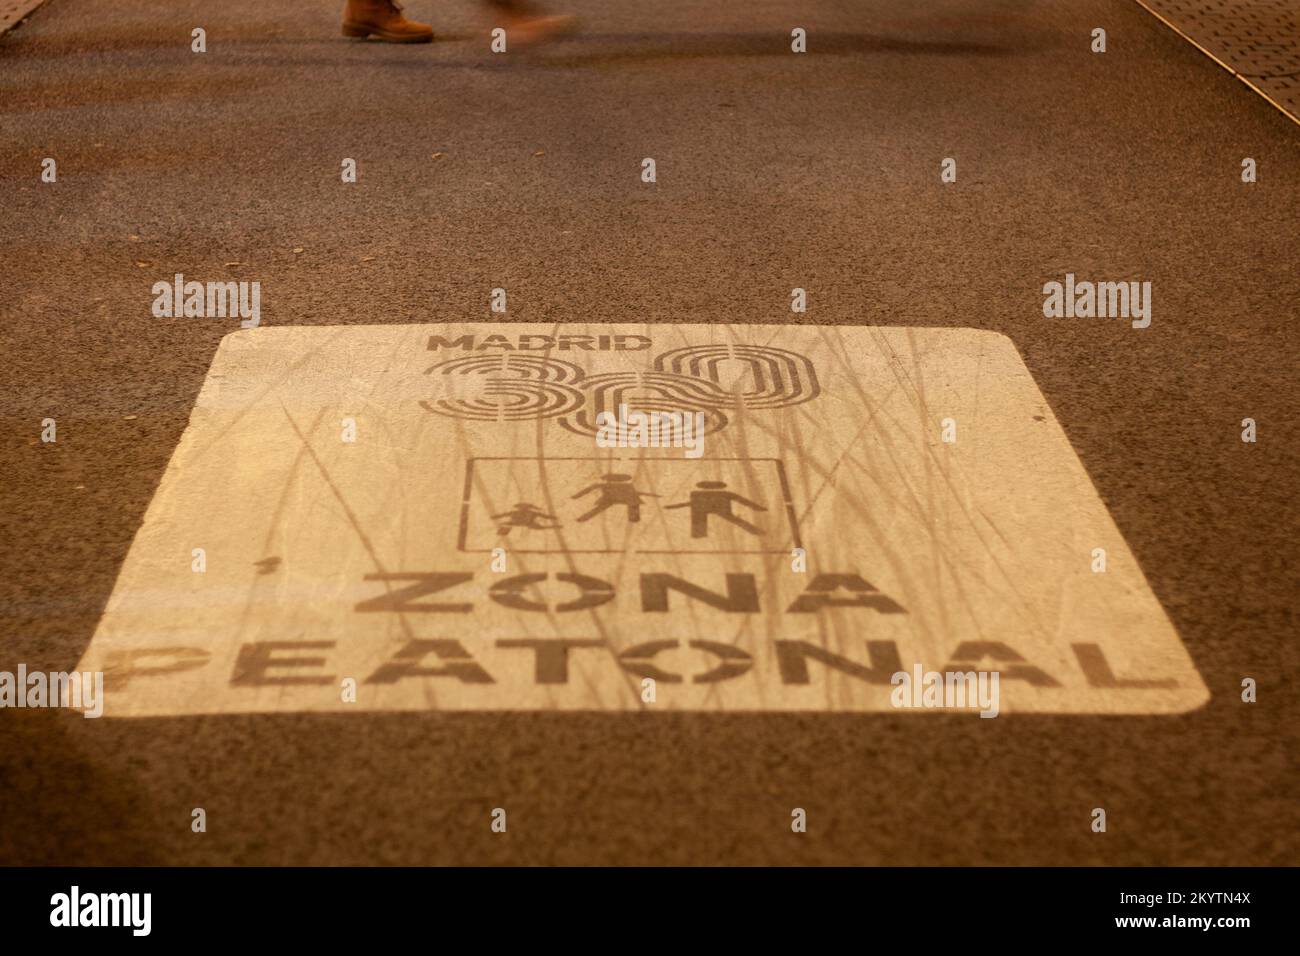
<point x="434" y="515"/>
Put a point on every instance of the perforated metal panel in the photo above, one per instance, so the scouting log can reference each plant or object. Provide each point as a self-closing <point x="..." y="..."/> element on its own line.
<point x="1258" y="40"/>
<point x="12" y="11"/>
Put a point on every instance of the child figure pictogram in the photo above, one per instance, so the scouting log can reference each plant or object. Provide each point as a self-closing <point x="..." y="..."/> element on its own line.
<point x="524" y="515"/>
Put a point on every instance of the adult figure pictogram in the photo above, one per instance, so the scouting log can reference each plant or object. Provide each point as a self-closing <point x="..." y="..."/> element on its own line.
<point x="615" y="489"/>
<point x="711" y="499"/>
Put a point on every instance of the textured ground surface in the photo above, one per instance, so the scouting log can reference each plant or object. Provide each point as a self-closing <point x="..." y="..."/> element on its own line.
<point x="1258" y="40"/>
<point x="774" y="171"/>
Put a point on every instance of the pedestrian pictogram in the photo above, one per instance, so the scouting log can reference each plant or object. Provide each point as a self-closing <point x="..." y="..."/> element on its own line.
<point x="629" y="504"/>
<point x="524" y="515"/>
<point x="710" y="498"/>
<point x="615" y="489"/>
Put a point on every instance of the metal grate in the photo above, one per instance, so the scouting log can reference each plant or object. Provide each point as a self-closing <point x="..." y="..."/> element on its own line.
<point x="13" y="11"/>
<point x="1258" y="40"/>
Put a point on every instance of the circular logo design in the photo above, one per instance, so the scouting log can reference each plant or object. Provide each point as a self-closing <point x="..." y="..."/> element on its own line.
<point x="710" y="379"/>
<point x="506" y="387"/>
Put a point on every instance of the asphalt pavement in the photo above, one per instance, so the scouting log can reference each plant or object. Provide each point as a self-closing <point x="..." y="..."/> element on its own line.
<point x="774" y="170"/>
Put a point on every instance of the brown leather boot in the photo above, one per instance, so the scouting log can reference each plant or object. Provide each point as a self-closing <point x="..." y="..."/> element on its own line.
<point x="383" y="20"/>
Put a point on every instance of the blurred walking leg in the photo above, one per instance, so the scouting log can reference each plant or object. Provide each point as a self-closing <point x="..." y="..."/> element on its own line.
<point x="526" y="24"/>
